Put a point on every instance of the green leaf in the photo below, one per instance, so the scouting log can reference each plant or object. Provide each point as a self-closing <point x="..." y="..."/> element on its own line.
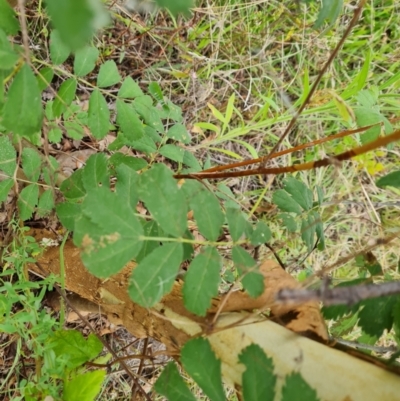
<point x="261" y="234"/>
<point x="172" y="152"/>
<point x="55" y="135"/>
<point x="27" y="200"/>
<point x="8" y="19"/>
<point x="44" y="77"/>
<point x="98" y="115"/>
<point x="59" y="52"/>
<point x="72" y="344"/>
<point x="389" y="180"/>
<point x="190" y="160"/>
<point x="151" y="116"/>
<point x="206" y="208"/>
<point x="285" y="202"/>
<point x="165" y="201"/>
<point x="150" y="229"/>
<point x="377" y="315"/>
<point x="65" y="96"/>
<point x="68" y="213"/>
<point x="179" y="133"/>
<point x="46" y="203"/>
<point x="300" y="193"/>
<point x="135" y="163"/>
<point x="85" y="60"/>
<point x="253" y="281"/>
<point x="236" y="222"/>
<point x="154" y="276"/>
<point x="22" y="112"/>
<point x="368" y="116"/>
<point x="95" y="173"/>
<point x="330" y="11"/>
<point x="5" y="187"/>
<point x="8" y="155"/>
<point x="8" y="56"/>
<point x="295" y="388"/>
<point x="127" y="185"/>
<point x="171" y="385"/>
<point x="258" y="380"/>
<point x="199" y="360"/>
<point x="116" y="241"/>
<point x="108" y="74"/>
<point x="156" y="92"/>
<point x="129" y="122"/>
<point x="84" y="387"/>
<point x="130" y="89"/>
<point x="31" y="164"/>
<point x="201" y="281"/>
<point x="76" y="20"/>
<point x="72" y="188"/>
<point x="308" y="229"/>
<point x="288" y="221"/>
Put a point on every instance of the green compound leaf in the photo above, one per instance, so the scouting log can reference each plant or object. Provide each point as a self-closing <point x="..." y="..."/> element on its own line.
<point x="84" y="386"/>
<point x="176" y="6"/>
<point x="129" y="122"/>
<point x="390" y="180"/>
<point x="108" y="74"/>
<point x="71" y="343"/>
<point x="156" y="92"/>
<point x="72" y="188"/>
<point x="288" y="221"/>
<point x="206" y="208"/>
<point x="135" y="163"/>
<point x="44" y="77"/>
<point x="8" y="56"/>
<point x="171" y="385"/>
<point x="172" y="152"/>
<point x="127" y="180"/>
<point x="261" y="234"/>
<point x="8" y="19"/>
<point x="202" y="281"/>
<point x="31" y="164"/>
<point x="299" y="191"/>
<point x="112" y="238"/>
<point x="22" y="112"/>
<point x="258" y="380"/>
<point x="308" y="230"/>
<point x="85" y="60"/>
<point x="179" y="133"/>
<point x="27" y="200"/>
<point x="68" y="213"/>
<point x="76" y="20"/>
<point x="59" y="52"/>
<point x="95" y="174"/>
<point x="98" y="115"/>
<point x="296" y="388"/>
<point x="130" y="89"/>
<point x="8" y="156"/>
<point x="253" y="281"/>
<point x="5" y="187"/>
<point x="236" y="222"/>
<point x="150" y="229"/>
<point x="65" y="96"/>
<point x="330" y="11"/>
<point x="154" y="276"/>
<point x="285" y="202"/>
<point x="199" y="360"/>
<point x="377" y="315"/>
<point x="165" y="201"/>
<point x="46" y="203"/>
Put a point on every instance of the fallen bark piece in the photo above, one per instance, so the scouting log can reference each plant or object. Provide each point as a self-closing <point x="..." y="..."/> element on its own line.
<point x="335" y="375"/>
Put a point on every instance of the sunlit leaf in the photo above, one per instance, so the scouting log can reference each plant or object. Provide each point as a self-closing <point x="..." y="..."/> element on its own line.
<point x="130" y="89"/>
<point x="85" y="60"/>
<point x="108" y="74"/>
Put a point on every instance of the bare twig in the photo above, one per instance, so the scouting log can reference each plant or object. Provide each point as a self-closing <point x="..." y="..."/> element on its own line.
<point x="340" y="295"/>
